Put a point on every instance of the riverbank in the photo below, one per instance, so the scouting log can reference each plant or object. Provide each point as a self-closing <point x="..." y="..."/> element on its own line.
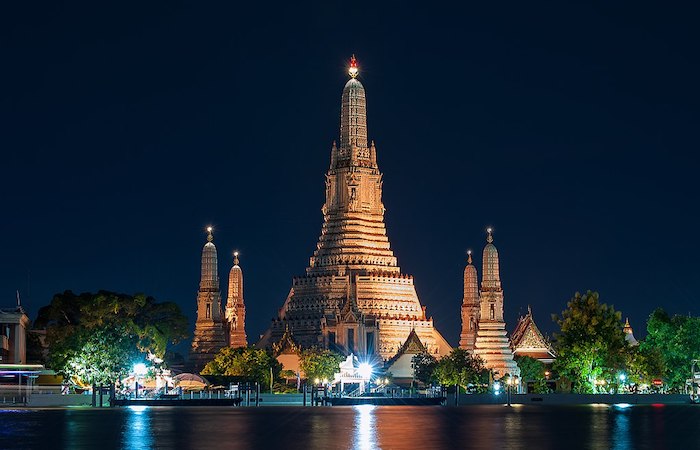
<point x="56" y="400"/>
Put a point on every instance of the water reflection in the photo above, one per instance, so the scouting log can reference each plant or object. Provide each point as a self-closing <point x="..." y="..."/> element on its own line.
<point x="621" y="436"/>
<point x="365" y="437"/>
<point x="137" y="432"/>
<point x="361" y="427"/>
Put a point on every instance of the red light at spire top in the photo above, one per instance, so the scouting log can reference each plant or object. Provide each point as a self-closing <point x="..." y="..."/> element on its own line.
<point x="353" y="67"/>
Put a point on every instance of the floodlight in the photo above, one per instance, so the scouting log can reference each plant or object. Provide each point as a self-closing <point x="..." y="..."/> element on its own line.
<point x="365" y="370"/>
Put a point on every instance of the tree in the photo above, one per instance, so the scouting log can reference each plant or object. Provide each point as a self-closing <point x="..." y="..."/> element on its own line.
<point x="248" y="362"/>
<point x="677" y="341"/>
<point x="533" y="370"/>
<point x="530" y="368"/>
<point x="98" y="337"/>
<point x="423" y="367"/>
<point x="591" y="343"/>
<point x="319" y="363"/>
<point x="459" y="368"/>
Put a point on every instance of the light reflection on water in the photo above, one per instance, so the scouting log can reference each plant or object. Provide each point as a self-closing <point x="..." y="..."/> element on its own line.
<point x="365" y="430"/>
<point x="359" y="427"/>
<point x="138" y="433"/>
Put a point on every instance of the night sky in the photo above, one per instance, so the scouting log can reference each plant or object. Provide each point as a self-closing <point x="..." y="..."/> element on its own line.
<point x="571" y="129"/>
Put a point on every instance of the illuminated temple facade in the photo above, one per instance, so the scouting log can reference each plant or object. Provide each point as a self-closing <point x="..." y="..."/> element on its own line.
<point x="483" y="326"/>
<point x="214" y="330"/>
<point x="353" y="297"/>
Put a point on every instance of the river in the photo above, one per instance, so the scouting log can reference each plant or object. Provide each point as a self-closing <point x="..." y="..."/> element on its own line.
<point x="359" y="427"/>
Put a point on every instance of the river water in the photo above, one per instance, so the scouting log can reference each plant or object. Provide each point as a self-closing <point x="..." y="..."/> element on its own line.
<point x="358" y="427"/>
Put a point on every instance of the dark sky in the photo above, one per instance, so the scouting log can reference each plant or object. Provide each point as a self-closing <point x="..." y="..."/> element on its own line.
<point x="571" y="129"/>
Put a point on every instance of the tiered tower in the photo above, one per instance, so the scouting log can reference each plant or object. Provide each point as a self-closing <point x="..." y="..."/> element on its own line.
<point x="492" y="343"/>
<point x="209" y="335"/>
<point x="470" y="306"/>
<point x="353" y="297"/>
<point x="235" y="307"/>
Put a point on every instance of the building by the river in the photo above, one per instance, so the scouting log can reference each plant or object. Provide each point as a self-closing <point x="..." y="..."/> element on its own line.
<point x="353" y="297"/>
<point x="214" y="330"/>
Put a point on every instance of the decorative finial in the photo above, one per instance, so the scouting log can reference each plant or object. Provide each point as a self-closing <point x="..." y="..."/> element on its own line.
<point x="210" y="237"/>
<point x="353" y="67"/>
<point x="489" y="238"/>
<point x="469" y="256"/>
<point x="235" y="258"/>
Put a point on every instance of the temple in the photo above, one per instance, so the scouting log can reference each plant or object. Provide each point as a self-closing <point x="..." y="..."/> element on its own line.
<point x="492" y="343"/>
<point x="235" y="307"/>
<point x="527" y="340"/>
<point x="353" y="297"/>
<point x="209" y="335"/>
<point x="470" y="306"/>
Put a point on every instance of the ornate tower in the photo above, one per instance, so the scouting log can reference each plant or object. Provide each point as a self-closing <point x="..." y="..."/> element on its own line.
<point x="235" y="308"/>
<point x="209" y="335"/>
<point x="492" y="344"/>
<point x="470" y="306"/>
<point x="353" y="297"/>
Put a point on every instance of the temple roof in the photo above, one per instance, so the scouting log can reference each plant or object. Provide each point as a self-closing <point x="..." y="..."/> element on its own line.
<point x="527" y="339"/>
<point x="286" y="345"/>
<point x="412" y="346"/>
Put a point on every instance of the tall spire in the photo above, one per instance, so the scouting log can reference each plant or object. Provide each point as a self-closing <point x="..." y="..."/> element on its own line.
<point x="209" y="335"/>
<point x="470" y="306"/>
<point x="235" y="307"/>
<point x="490" y="276"/>
<point x="210" y="273"/>
<point x="354" y="234"/>
<point x="492" y="343"/>
<point x="353" y="117"/>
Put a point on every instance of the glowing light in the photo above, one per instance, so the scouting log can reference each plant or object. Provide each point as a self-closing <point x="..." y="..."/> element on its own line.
<point x="353" y="70"/>
<point x="209" y="229"/>
<point x="235" y="253"/>
<point x="140" y="369"/>
<point x="623" y="377"/>
<point x="622" y="405"/>
<point x="365" y="370"/>
<point x="137" y="408"/>
<point x="316" y="381"/>
<point x="489" y="230"/>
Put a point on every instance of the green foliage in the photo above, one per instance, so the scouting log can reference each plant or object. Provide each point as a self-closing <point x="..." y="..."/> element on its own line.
<point x="671" y="344"/>
<point x="541" y="387"/>
<point x="319" y="363"/>
<point x="591" y="345"/>
<point x="252" y="363"/>
<point x="423" y="367"/>
<point x="98" y="337"/>
<point x="530" y="368"/>
<point x="459" y="368"/>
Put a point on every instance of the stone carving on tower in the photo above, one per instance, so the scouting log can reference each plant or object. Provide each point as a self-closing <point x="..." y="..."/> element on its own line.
<point x="492" y="343"/>
<point x="353" y="297"/>
<point x="209" y="335"/>
<point x="235" y="307"/>
<point x="470" y="306"/>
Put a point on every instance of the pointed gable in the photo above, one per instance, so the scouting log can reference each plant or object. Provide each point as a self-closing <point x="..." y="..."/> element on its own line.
<point x="286" y="345"/>
<point x="527" y="340"/>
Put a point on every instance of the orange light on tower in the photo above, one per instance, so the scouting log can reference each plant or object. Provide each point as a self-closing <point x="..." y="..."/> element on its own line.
<point x="353" y="70"/>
